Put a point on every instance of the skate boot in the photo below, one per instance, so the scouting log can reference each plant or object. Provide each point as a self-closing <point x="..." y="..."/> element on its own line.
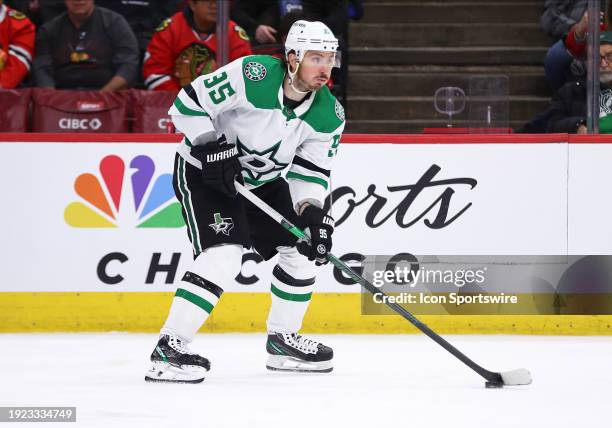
<point x="294" y="353"/>
<point x="172" y="361"/>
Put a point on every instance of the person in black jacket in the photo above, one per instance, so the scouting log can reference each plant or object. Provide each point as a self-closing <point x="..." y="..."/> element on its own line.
<point x="86" y="47"/>
<point x="559" y="16"/>
<point x="567" y="111"/>
<point x="261" y="18"/>
<point x="143" y="16"/>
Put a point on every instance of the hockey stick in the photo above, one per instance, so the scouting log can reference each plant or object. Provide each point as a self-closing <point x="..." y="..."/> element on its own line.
<point x="493" y="379"/>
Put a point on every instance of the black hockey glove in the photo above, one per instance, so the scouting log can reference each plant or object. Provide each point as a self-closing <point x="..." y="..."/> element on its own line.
<point x="320" y="226"/>
<point x="220" y="165"/>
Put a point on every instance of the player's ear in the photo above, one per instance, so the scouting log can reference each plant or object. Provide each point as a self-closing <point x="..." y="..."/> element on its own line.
<point x="292" y="61"/>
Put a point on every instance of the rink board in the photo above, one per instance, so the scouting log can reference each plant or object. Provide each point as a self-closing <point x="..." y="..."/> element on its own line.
<point x="64" y="270"/>
<point x="247" y="312"/>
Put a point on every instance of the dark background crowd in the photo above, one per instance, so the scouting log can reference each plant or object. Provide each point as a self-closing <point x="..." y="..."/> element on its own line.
<point x="106" y="46"/>
<point x="566" y="22"/>
<point x="110" y="46"/>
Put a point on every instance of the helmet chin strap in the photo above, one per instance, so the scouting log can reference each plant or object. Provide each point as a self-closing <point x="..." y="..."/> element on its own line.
<point x="291" y="79"/>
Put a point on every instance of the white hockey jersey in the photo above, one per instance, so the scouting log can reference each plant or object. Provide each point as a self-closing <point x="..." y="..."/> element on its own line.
<point x="244" y="101"/>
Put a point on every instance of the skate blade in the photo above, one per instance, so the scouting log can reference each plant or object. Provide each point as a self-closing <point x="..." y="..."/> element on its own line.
<point x="165" y="372"/>
<point x="285" y="363"/>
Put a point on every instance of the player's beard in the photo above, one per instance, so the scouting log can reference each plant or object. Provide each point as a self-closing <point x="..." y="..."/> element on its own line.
<point x="302" y="85"/>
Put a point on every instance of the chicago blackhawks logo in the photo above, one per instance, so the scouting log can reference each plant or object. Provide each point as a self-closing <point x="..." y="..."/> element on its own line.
<point x="222" y="224"/>
<point x="255" y="71"/>
<point x="194" y="61"/>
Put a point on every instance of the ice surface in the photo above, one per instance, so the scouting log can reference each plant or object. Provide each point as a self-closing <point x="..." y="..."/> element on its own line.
<point x="378" y="381"/>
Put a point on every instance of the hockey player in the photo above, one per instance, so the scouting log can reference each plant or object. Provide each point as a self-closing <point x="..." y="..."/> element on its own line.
<point x="276" y="128"/>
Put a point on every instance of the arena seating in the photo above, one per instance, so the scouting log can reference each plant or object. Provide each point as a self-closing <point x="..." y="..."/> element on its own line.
<point x="49" y="110"/>
<point x="15" y="108"/>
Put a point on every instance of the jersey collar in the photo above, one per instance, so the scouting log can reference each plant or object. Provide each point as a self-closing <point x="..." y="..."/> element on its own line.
<point x="302" y="108"/>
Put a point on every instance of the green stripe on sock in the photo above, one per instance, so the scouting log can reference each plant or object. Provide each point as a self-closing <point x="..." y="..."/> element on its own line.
<point x="290" y="296"/>
<point x="308" y="178"/>
<point x="195" y="299"/>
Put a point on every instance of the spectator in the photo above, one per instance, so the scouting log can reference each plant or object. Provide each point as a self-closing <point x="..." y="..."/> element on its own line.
<point x="575" y="42"/>
<point x="560" y="15"/>
<point x="142" y="15"/>
<point x="568" y="22"/>
<point x="17" y="34"/>
<point x="557" y="20"/>
<point x="184" y="46"/>
<point x="333" y="13"/>
<point x="567" y="112"/>
<point x="261" y="18"/>
<point x="39" y="11"/>
<point x="86" y="47"/>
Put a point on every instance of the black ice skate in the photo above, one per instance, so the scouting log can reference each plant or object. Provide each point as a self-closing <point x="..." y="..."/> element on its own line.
<point x="295" y="353"/>
<point x="172" y="361"/>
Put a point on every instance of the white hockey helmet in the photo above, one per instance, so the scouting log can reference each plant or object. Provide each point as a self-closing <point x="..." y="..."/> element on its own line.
<point x="306" y="36"/>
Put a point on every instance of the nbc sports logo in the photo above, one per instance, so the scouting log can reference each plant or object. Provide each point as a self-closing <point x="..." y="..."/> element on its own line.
<point x="105" y="201"/>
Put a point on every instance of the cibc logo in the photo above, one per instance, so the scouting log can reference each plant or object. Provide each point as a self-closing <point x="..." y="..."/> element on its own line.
<point x="76" y="124"/>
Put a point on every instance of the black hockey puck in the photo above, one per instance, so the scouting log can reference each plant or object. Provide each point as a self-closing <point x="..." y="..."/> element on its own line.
<point x="494" y="384"/>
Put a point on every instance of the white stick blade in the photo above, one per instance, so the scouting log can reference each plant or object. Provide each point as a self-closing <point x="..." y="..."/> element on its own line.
<point x="517" y="377"/>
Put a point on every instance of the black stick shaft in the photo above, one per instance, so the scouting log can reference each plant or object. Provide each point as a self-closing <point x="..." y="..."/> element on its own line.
<point x="488" y="375"/>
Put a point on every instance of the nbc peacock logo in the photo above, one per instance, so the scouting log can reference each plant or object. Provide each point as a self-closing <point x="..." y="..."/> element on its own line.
<point x="104" y="202"/>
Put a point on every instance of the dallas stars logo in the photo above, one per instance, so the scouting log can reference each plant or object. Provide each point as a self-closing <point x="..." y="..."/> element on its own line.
<point x="258" y="164"/>
<point x="254" y="71"/>
<point x="222" y="224"/>
<point x="339" y="110"/>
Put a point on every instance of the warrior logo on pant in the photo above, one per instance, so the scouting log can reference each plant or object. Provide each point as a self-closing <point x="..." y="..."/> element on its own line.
<point x="222" y="224"/>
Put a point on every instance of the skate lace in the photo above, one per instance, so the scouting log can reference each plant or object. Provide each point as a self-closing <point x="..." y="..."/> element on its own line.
<point x="304" y="344"/>
<point x="178" y="345"/>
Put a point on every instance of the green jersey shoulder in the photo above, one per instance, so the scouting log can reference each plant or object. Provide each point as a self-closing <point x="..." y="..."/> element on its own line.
<point x="263" y="76"/>
<point x="326" y="114"/>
